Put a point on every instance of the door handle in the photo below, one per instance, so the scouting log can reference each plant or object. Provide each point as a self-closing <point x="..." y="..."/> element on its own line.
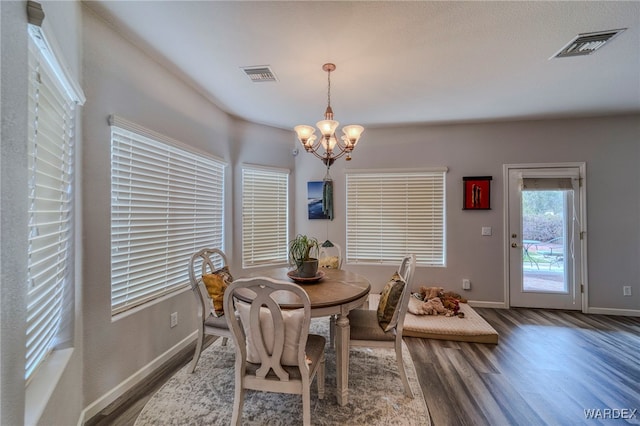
<point x="514" y="245"/>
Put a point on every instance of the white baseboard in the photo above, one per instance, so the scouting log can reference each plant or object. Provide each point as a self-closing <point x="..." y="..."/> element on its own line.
<point x="614" y="311"/>
<point x="591" y="310"/>
<point x="483" y="304"/>
<point x="101" y="403"/>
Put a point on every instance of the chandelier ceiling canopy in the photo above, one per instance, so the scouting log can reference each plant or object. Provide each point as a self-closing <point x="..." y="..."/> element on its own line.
<point x="333" y="148"/>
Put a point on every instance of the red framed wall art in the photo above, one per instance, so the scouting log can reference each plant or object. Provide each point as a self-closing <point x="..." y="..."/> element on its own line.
<point x="477" y="193"/>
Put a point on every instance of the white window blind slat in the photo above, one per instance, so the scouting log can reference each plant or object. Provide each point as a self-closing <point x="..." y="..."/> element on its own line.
<point x="167" y="203"/>
<point x="51" y="112"/>
<point x="265" y="216"/>
<point x="390" y="214"/>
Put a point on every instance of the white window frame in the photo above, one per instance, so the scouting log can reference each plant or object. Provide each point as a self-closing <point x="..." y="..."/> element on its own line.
<point x="52" y="100"/>
<point x="391" y="213"/>
<point x="265" y="215"/>
<point x="167" y="202"/>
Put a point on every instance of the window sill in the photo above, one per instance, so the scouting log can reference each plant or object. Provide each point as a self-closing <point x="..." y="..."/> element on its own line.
<point x="43" y="383"/>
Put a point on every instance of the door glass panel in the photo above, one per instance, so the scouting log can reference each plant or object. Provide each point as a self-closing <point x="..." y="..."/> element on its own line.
<point x="544" y="242"/>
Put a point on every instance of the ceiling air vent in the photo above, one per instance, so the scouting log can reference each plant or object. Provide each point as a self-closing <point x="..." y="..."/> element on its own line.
<point x="587" y="43"/>
<point x="260" y="74"/>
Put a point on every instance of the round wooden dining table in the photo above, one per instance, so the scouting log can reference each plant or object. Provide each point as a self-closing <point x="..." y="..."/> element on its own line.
<point x="337" y="293"/>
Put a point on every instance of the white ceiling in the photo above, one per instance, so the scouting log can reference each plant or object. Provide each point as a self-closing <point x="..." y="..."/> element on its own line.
<point x="397" y="62"/>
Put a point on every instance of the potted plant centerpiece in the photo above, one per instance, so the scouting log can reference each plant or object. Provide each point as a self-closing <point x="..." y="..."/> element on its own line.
<point x="303" y="253"/>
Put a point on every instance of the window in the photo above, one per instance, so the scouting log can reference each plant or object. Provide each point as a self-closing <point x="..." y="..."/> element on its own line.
<point x="265" y="216"/>
<point x="52" y="101"/>
<point x="390" y="214"/>
<point x="167" y="202"/>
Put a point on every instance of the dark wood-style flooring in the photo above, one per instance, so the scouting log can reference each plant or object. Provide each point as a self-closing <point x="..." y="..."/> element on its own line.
<point x="550" y="368"/>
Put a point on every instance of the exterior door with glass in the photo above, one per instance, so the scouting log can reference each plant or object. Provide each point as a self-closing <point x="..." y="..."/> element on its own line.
<point x="545" y="245"/>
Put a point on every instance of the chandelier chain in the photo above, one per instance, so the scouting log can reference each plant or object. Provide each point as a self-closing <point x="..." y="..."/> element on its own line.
<point x="329" y="88"/>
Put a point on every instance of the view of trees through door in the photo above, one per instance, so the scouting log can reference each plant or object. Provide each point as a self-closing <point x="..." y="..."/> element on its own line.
<point x="543" y="230"/>
<point x="545" y="252"/>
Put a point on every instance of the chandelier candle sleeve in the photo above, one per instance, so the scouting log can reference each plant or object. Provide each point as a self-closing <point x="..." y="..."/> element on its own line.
<point x="333" y="148"/>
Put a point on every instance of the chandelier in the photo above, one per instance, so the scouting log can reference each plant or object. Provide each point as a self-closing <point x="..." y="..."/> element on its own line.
<point x="333" y="148"/>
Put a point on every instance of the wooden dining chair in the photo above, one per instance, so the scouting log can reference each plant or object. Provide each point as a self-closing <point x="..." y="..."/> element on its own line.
<point x="330" y="255"/>
<point x="382" y="328"/>
<point x="204" y="264"/>
<point x="274" y="350"/>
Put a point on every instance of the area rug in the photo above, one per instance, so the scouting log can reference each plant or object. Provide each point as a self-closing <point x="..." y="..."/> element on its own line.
<point x="376" y="394"/>
<point x="471" y="328"/>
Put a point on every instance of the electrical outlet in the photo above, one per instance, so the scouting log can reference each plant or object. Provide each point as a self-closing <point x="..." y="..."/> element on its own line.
<point x="174" y="319"/>
<point x="466" y="284"/>
<point x="486" y="231"/>
<point x="626" y="290"/>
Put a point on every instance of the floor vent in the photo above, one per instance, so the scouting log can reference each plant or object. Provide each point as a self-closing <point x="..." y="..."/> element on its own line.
<point x="587" y="43"/>
<point x="260" y="74"/>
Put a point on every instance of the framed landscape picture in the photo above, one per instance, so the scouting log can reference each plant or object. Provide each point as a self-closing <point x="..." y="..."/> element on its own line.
<point x="314" y="200"/>
<point x="477" y="193"/>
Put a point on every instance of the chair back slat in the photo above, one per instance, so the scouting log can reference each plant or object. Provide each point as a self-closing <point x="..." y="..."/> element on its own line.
<point x="262" y="310"/>
<point x="406" y="271"/>
<point x="269" y="361"/>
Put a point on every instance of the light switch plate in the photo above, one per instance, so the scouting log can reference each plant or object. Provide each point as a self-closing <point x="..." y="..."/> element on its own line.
<point x="486" y="231"/>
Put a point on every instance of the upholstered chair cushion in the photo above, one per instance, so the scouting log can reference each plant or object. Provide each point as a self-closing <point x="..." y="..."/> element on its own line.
<point x="216" y="284"/>
<point x="216" y="322"/>
<point x="314" y="351"/>
<point x="292" y="329"/>
<point x="363" y="324"/>
<point x="389" y="299"/>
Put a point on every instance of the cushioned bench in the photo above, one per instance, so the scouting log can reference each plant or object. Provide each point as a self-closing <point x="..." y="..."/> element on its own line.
<point x="471" y="328"/>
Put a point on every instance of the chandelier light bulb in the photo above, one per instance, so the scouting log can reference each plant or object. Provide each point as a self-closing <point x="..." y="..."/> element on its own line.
<point x="329" y="144"/>
<point x="309" y="143"/>
<point x="304" y="132"/>
<point x="327" y="127"/>
<point x="352" y="134"/>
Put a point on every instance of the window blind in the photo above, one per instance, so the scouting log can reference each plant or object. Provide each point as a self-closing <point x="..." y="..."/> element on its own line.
<point x="390" y="214"/>
<point x="265" y="216"/>
<point x="166" y="203"/>
<point x="51" y="153"/>
<point x="547" y="183"/>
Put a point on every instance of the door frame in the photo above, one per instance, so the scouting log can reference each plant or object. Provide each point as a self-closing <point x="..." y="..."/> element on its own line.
<point x="582" y="218"/>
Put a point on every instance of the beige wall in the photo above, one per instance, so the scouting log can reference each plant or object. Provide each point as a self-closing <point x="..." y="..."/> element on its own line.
<point x="13" y="218"/>
<point x="254" y="144"/>
<point x="610" y="146"/>
<point x="118" y="78"/>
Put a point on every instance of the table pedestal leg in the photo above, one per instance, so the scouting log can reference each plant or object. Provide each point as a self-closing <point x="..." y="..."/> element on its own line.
<point x="342" y="358"/>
